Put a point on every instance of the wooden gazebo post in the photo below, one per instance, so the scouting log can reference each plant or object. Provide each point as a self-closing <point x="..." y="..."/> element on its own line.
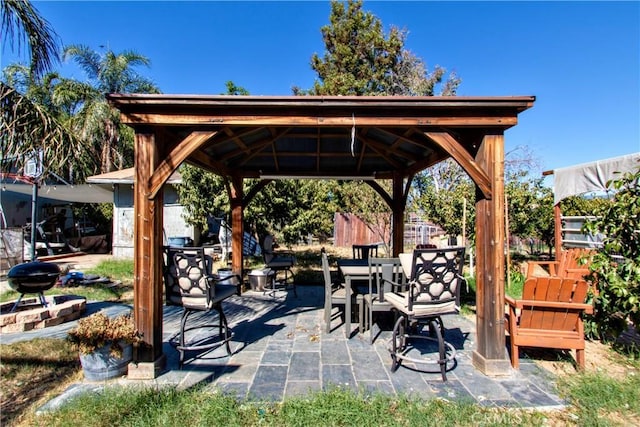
<point x="148" y="357"/>
<point x="490" y="354"/>
<point x="237" y="226"/>
<point x="397" y="228"/>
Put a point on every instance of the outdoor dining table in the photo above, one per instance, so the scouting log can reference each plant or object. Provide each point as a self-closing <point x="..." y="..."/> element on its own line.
<point x="352" y="270"/>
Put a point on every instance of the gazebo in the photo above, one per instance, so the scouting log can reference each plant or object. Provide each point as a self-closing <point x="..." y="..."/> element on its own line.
<point x="344" y="137"/>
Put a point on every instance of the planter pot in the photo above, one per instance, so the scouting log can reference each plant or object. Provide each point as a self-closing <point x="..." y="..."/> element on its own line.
<point x="100" y="365"/>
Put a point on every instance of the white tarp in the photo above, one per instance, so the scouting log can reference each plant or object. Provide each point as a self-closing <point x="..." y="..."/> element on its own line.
<point x="591" y="177"/>
<point x="85" y="193"/>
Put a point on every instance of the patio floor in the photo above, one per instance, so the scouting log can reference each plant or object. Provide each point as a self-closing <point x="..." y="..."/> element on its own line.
<point x="281" y="350"/>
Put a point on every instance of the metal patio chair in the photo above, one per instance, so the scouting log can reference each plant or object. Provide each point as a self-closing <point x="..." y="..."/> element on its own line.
<point x="278" y="262"/>
<point x="190" y="284"/>
<point x="433" y="291"/>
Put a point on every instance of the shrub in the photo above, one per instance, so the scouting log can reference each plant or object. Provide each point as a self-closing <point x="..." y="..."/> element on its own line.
<point x="616" y="268"/>
<point x="98" y="330"/>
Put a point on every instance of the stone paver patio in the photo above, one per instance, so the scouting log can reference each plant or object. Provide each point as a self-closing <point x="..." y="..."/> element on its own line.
<point x="281" y="350"/>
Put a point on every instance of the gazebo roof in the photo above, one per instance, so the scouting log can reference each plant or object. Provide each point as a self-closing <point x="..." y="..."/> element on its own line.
<point x="343" y="136"/>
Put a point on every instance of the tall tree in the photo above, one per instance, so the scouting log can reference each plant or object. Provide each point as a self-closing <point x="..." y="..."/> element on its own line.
<point x="360" y="59"/>
<point x="23" y="25"/>
<point x="96" y="121"/>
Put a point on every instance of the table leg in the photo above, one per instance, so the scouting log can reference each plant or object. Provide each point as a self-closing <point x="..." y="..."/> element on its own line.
<point x="347" y="307"/>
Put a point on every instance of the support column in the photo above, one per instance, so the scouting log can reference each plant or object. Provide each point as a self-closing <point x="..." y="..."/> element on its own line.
<point x="237" y="227"/>
<point x="398" y="207"/>
<point x="148" y="358"/>
<point x="490" y="356"/>
<point x="557" y="230"/>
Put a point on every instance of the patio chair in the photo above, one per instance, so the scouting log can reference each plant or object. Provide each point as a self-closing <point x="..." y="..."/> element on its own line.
<point x="364" y="251"/>
<point x="384" y="275"/>
<point x="336" y="294"/>
<point x="568" y="264"/>
<point x="549" y="315"/>
<point x="279" y="263"/>
<point x="433" y="291"/>
<point x="190" y="284"/>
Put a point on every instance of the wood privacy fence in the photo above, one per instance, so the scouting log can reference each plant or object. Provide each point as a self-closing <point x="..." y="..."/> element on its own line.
<point x="350" y="230"/>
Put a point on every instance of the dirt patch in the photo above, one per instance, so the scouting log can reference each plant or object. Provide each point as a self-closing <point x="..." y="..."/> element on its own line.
<point x="599" y="358"/>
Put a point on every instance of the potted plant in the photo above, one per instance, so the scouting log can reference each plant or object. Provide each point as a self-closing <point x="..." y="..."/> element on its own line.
<point x="104" y="344"/>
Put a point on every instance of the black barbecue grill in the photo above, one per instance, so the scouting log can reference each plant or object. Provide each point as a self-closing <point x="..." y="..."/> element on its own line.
<point x="33" y="278"/>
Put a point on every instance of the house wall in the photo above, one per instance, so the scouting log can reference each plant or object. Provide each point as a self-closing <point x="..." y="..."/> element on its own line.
<point x="123" y="219"/>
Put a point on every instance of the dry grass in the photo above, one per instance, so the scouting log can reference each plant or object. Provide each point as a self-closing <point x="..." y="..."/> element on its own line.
<point x="32" y="373"/>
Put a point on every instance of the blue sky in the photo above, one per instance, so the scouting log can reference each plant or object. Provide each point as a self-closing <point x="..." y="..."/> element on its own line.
<point x="580" y="59"/>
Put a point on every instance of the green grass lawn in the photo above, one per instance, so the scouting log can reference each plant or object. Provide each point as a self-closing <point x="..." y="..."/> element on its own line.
<point x="120" y="272"/>
<point x="595" y="399"/>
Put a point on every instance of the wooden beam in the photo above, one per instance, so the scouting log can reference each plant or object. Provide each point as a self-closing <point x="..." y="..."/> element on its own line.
<point x="237" y="224"/>
<point x="464" y="159"/>
<point x="256" y="148"/>
<point x="557" y="229"/>
<point x="201" y="160"/>
<point x="382" y="192"/>
<point x="490" y="355"/>
<point x="399" y="198"/>
<point x="255" y="190"/>
<point x="147" y="286"/>
<point x="384" y="151"/>
<point x="177" y="155"/>
<point x="501" y="122"/>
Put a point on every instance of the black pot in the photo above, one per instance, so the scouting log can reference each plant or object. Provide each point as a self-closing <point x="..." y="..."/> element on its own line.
<point x="33" y="277"/>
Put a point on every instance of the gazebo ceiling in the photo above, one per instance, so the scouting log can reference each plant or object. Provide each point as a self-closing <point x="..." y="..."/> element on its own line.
<point x="350" y="137"/>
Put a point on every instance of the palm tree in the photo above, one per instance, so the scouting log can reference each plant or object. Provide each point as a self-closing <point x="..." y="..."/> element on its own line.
<point x="95" y="120"/>
<point x="22" y="23"/>
<point x="27" y="127"/>
<point x="65" y="155"/>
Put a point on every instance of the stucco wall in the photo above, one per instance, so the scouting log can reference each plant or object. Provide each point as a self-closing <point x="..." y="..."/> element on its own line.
<point x="123" y="219"/>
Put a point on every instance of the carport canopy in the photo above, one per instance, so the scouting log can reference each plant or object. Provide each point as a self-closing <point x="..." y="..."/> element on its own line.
<point x="363" y="138"/>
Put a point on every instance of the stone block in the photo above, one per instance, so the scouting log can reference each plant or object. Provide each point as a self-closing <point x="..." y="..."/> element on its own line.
<point x="72" y="316"/>
<point x="61" y="310"/>
<point x="7" y="319"/>
<point x="54" y="321"/>
<point x="32" y="315"/>
<point x="17" y="327"/>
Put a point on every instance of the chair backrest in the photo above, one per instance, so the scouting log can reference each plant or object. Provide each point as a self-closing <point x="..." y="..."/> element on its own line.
<point x="383" y="271"/>
<point x="364" y="251"/>
<point x="552" y="289"/>
<point x="224" y="237"/>
<point x="436" y="276"/>
<point x="267" y="248"/>
<point x="326" y="274"/>
<point x="187" y="277"/>
<point x="569" y="264"/>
